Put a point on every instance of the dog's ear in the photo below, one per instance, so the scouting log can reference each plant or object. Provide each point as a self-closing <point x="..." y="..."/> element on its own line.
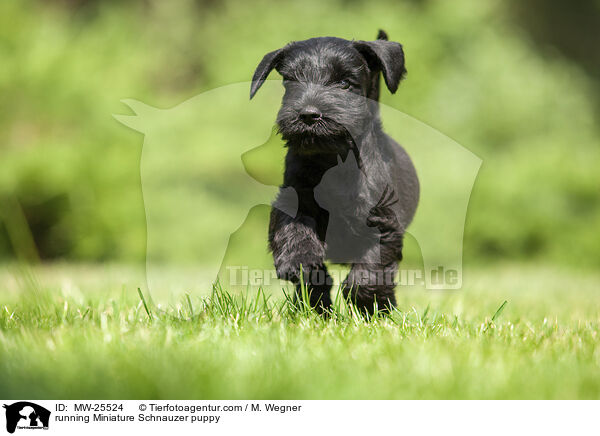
<point x="264" y="68"/>
<point x="385" y="56"/>
<point x="382" y="35"/>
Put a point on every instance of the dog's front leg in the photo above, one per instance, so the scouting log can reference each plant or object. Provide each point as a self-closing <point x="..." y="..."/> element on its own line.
<point x="372" y="280"/>
<point x="298" y="252"/>
<point x="368" y="284"/>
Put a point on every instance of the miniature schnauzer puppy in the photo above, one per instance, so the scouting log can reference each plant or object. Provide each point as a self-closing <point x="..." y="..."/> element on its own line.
<point x="357" y="189"/>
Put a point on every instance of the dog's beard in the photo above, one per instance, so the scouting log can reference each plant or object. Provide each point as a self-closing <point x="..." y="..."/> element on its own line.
<point x="324" y="136"/>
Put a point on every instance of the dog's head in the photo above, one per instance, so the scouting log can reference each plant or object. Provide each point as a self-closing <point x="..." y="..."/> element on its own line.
<point x="331" y="87"/>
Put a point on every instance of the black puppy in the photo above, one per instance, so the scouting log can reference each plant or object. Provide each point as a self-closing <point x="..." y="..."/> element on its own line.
<point x="330" y="111"/>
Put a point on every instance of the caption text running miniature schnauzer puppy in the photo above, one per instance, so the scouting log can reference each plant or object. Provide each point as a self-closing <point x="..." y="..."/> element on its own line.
<point x="357" y="189"/>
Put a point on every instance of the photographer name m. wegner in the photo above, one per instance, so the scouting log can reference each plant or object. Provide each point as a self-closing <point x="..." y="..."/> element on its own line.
<point x="240" y="275"/>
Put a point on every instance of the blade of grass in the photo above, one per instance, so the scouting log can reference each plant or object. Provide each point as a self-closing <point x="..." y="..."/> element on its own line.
<point x="145" y="305"/>
<point x="190" y="306"/>
<point x="499" y="311"/>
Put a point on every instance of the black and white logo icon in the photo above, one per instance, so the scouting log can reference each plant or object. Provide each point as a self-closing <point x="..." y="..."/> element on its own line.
<point x="26" y="415"/>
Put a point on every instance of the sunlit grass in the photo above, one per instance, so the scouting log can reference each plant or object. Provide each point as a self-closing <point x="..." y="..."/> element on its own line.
<point x="122" y="344"/>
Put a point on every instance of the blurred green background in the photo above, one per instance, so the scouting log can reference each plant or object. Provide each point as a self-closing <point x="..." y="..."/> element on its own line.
<point x="516" y="83"/>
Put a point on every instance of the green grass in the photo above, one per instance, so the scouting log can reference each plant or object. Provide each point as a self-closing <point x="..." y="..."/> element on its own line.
<point x="87" y="332"/>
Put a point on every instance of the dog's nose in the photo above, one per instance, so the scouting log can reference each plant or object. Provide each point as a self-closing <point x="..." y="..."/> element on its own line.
<point x="310" y="115"/>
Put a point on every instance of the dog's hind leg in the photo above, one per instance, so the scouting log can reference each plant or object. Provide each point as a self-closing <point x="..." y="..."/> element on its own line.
<point x="298" y="255"/>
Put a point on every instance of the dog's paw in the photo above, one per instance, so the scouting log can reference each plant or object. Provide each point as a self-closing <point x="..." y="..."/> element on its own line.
<point x="292" y="269"/>
<point x="285" y="271"/>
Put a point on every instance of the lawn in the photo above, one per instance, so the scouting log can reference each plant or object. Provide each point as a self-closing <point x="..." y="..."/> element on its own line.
<point x="87" y="332"/>
<point x="508" y="85"/>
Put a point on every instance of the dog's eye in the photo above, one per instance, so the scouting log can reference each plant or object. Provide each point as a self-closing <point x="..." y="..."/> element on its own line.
<point x="344" y="84"/>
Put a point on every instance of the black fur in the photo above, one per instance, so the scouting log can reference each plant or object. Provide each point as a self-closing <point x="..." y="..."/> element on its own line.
<point x="330" y="112"/>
